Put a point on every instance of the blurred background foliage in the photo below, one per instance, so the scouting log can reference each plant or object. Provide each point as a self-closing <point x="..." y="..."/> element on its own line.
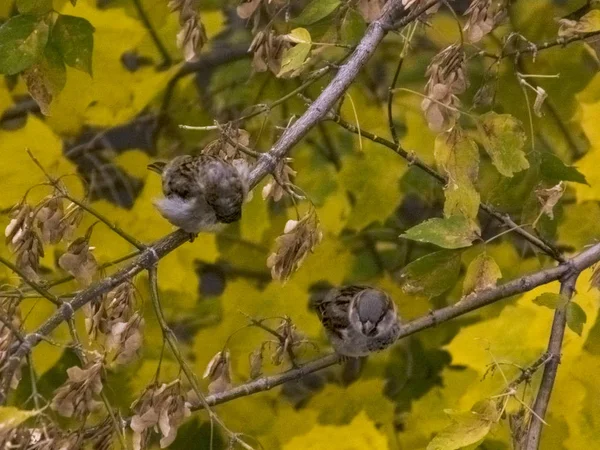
<point x="106" y="129"/>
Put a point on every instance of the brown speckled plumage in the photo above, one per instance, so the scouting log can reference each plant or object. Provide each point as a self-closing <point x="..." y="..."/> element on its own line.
<point x="358" y="319"/>
<point x="202" y="191"/>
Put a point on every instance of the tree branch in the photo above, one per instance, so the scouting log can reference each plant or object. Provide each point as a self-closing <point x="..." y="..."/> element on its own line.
<point x="319" y="109"/>
<point x="567" y="288"/>
<point x="467" y="304"/>
<point x="266" y="163"/>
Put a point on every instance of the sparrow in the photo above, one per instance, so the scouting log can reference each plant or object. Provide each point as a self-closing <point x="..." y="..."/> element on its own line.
<point x="358" y="320"/>
<point x="201" y="192"/>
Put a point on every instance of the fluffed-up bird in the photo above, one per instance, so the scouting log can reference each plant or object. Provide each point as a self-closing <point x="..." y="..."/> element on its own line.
<point x="201" y="192"/>
<point x="358" y="319"/>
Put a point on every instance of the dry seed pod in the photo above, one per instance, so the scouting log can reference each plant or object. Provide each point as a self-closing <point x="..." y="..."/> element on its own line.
<point x="298" y="239"/>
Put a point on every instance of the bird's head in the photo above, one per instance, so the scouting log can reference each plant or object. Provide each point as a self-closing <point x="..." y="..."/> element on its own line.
<point x="370" y="310"/>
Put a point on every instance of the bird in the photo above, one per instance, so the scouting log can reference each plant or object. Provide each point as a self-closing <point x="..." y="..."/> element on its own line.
<point x="201" y="192"/>
<point x="358" y="320"/>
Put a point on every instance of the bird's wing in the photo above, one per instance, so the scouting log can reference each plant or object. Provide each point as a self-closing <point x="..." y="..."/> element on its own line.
<point x="222" y="187"/>
<point x="333" y="308"/>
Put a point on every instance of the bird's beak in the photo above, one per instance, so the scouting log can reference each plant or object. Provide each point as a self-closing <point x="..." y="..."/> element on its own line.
<point x="369" y="328"/>
<point x="157" y="167"/>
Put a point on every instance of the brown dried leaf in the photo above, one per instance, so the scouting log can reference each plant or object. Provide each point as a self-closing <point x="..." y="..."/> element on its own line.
<point x="161" y="408"/>
<point x="50" y="220"/>
<point x="247" y="9"/>
<point x="481" y="19"/>
<point x="298" y="239"/>
<point x="548" y="198"/>
<point x="218" y="371"/>
<point x="75" y="398"/>
<point x="370" y="9"/>
<point x="79" y="261"/>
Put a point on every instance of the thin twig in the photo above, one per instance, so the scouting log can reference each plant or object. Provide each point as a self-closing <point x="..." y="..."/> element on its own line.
<point x="567" y="288"/>
<point x="35" y="286"/>
<point x="561" y="41"/>
<point x="413" y="160"/>
<point x="171" y="340"/>
<point x="157" y="42"/>
<point x="57" y="185"/>
<point x="390" y="99"/>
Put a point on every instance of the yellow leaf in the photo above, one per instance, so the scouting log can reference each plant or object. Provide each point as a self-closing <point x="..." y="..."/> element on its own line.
<point x="17" y="171"/>
<point x="255" y="217"/>
<point x="114" y="95"/>
<point x="374" y="201"/>
<point x="482" y="273"/>
<point x="427" y="415"/>
<point x="11" y="417"/>
<point x="458" y="156"/>
<point x="360" y="434"/>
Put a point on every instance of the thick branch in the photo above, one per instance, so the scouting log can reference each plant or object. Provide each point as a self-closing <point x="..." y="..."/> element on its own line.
<point x="567" y="288"/>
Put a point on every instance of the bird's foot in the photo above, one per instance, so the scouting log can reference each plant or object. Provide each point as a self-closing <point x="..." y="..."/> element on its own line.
<point x="344" y="359"/>
<point x="193" y="236"/>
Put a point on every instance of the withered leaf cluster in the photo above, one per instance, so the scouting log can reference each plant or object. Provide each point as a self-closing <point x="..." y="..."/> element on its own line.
<point x="162" y="409"/>
<point x="114" y="315"/>
<point x="192" y="35"/>
<point x="30" y="228"/>
<point x="291" y="248"/>
<point x="283" y="176"/>
<point x="482" y="17"/>
<point x="447" y="79"/>
<point x="43" y="438"/>
<point x="79" y="260"/>
<point x="76" y="397"/>
<point x="10" y="313"/>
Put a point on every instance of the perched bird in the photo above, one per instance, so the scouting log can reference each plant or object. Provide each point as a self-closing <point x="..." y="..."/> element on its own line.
<point x="358" y="319"/>
<point x="201" y="192"/>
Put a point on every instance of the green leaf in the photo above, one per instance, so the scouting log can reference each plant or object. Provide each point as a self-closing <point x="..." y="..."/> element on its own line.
<point x="576" y="317"/>
<point x="554" y="170"/>
<point x="293" y="58"/>
<point x="22" y="41"/>
<point x="353" y="27"/>
<point x="587" y="24"/>
<point x="482" y="273"/>
<point x="550" y="300"/>
<point x="46" y="78"/>
<point x="503" y="138"/>
<point x="466" y="429"/>
<point x="451" y="232"/>
<point x="432" y="274"/>
<point x="74" y="39"/>
<point x="316" y="10"/>
<point x="37" y="7"/>
<point x="458" y="156"/>
<point x="11" y="417"/>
